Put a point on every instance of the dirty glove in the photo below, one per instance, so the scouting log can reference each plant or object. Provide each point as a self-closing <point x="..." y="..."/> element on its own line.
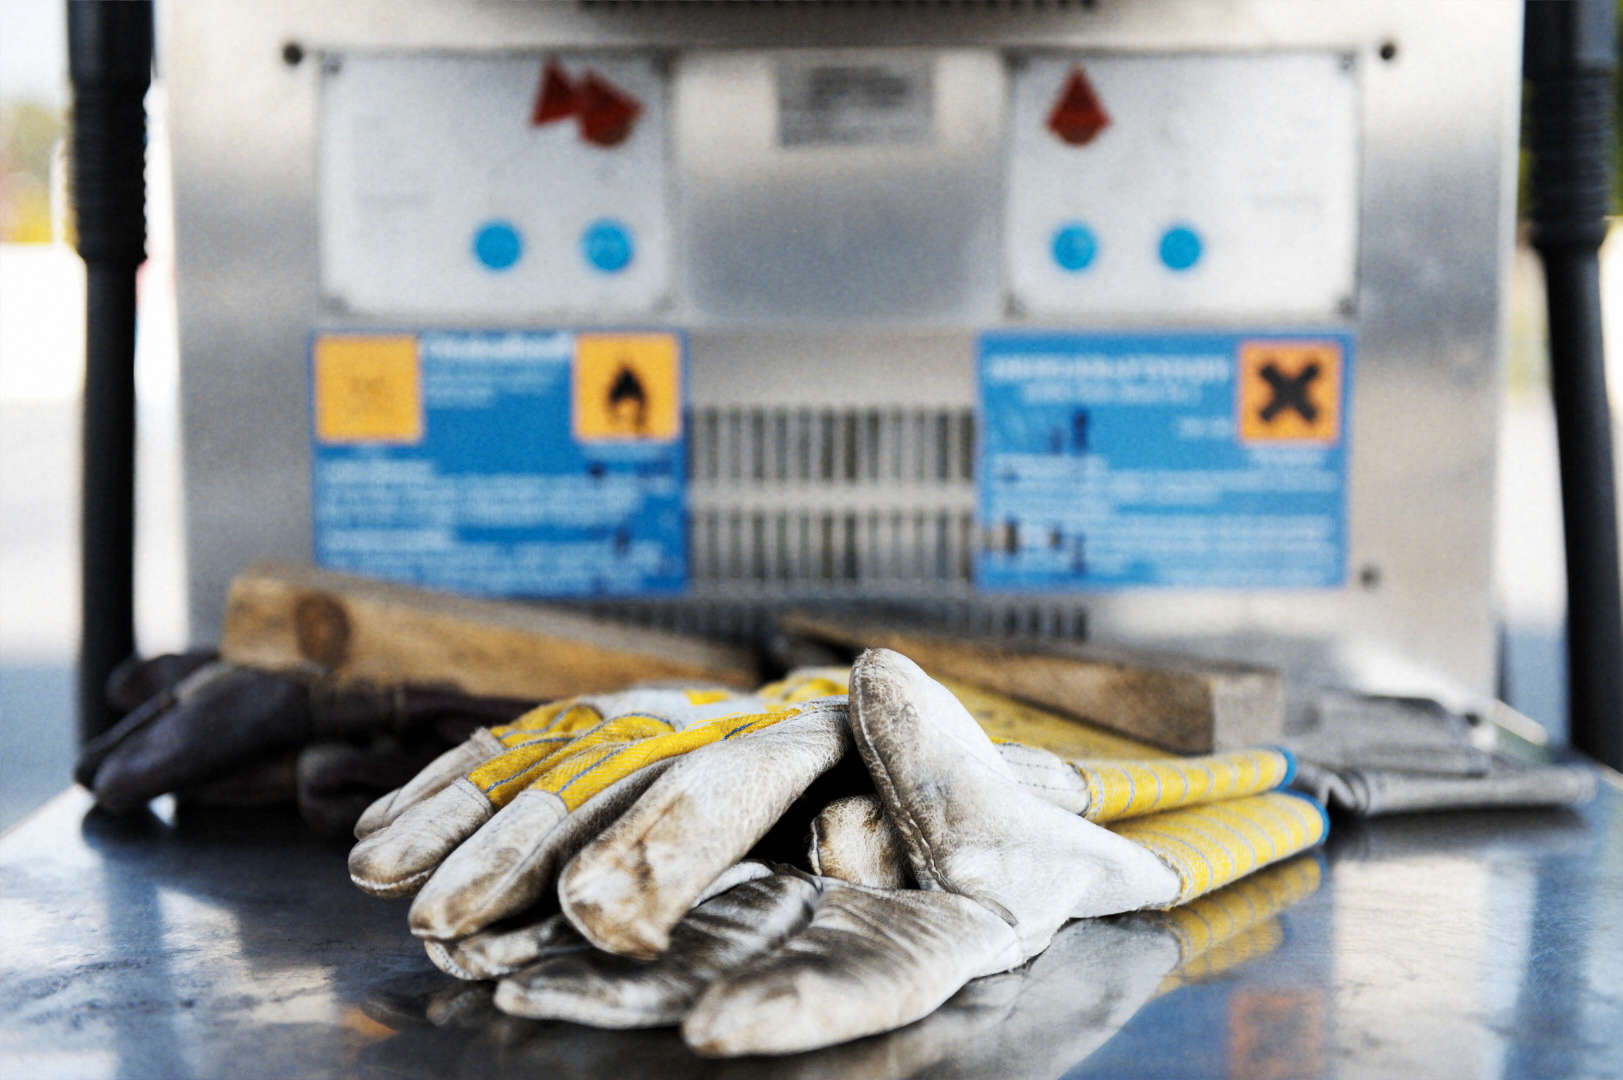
<point x="1000" y="870"/>
<point x="1046" y="1017"/>
<point x="221" y="733"/>
<point x="665" y="788"/>
<point x="620" y="911"/>
<point x="852" y="840"/>
<point x="1370" y="755"/>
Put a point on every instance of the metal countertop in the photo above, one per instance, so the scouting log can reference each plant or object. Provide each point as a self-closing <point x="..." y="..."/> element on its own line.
<point x="233" y="945"/>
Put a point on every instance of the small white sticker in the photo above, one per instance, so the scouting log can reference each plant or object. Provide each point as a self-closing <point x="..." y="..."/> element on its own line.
<point x="823" y="101"/>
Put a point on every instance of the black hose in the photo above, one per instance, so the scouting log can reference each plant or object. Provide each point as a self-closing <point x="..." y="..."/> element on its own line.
<point x="1569" y="62"/>
<point x="110" y="62"/>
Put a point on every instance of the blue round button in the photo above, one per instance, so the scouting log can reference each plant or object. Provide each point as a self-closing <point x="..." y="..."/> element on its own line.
<point x="607" y="245"/>
<point x="1074" y="246"/>
<point x="497" y="244"/>
<point x="1180" y="247"/>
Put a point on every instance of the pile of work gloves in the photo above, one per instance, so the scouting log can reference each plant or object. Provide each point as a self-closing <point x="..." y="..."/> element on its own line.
<point x="641" y="859"/>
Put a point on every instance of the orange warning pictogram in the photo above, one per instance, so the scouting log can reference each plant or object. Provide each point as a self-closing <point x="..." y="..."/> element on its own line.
<point x="627" y="387"/>
<point x="1078" y="116"/>
<point x="368" y="389"/>
<point x="1289" y="391"/>
<point x="555" y="97"/>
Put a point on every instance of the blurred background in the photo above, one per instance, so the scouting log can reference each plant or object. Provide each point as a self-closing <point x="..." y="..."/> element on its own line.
<point x="41" y="359"/>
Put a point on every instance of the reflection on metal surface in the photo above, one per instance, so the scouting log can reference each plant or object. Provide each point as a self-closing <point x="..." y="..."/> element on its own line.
<point x="1470" y="944"/>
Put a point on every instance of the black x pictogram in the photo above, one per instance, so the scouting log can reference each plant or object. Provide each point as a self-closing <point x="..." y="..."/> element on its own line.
<point x="1290" y="392"/>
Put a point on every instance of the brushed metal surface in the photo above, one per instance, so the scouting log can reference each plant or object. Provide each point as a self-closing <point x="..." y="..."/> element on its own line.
<point x="1438" y="129"/>
<point x="233" y="944"/>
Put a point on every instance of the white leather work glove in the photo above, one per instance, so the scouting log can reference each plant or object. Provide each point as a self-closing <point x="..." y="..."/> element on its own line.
<point x="1039" y="1020"/>
<point x="853" y="841"/>
<point x="1046" y="1017"/>
<point x="671" y="787"/>
<point x="1000" y="869"/>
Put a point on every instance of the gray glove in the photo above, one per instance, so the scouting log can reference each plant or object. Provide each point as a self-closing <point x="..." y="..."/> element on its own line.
<point x="1371" y="755"/>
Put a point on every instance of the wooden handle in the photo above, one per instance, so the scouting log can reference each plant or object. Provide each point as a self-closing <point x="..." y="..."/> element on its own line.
<point x="283" y="616"/>
<point x="1182" y="703"/>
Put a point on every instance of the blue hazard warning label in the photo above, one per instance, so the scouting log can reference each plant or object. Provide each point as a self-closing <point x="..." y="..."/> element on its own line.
<point x="502" y="463"/>
<point x="1199" y="460"/>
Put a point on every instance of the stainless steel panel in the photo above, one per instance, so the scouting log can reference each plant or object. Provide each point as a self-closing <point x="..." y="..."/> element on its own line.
<point x="895" y="229"/>
<point x="1438" y="124"/>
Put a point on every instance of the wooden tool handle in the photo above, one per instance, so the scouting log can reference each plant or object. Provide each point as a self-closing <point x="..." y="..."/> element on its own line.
<point x="282" y="616"/>
<point x="1182" y="703"/>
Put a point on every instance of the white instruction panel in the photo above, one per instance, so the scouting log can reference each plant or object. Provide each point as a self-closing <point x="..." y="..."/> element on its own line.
<point x="1183" y="185"/>
<point x="522" y="185"/>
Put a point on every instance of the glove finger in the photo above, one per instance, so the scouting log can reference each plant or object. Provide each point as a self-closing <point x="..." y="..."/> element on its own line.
<point x="870" y="961"/>
<point x="560" y="799"/>
<point x="144" y="712"/>
<point x="440" y="773"/>
<point x="502" y="950"/>
<point x="397" y="859"/>
<point x="852" y="840"/>
<point x="626" y="889"/>
<point x="97" y="750"/>
<point x="508" y="864"/>
<point x="718" y="936"/>
<point x="499" y="951"/>
<point x="968" y="825"/>
<point x="137" y="680"/>
<point x="566" y="766"/>
<point x="222" y="721"/>
<point x="524" y="741"/>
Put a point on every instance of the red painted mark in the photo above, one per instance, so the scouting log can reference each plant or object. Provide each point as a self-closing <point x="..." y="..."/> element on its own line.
<point x="554" y="97"/>
<point x="604" y="111"/>
<point x="1078" y="116"/>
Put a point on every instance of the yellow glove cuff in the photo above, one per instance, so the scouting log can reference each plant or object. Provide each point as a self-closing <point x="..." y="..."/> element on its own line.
<point x="1209" y="846"/>
<point x="1123" y="789"/>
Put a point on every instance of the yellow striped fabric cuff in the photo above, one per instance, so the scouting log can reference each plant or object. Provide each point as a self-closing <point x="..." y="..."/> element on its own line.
<point x="1123" y="789"/>
<point x="1212" y="845"/>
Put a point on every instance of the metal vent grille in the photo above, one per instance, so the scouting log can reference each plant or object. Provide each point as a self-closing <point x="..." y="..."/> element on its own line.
<point x="827" y="496"/>
<point x="843" y="510"/>
<point x="831" y="446"/>
<point x="751" y="619"/>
